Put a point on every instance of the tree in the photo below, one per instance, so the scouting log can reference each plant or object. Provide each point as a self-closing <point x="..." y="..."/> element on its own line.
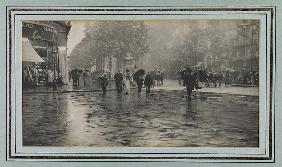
<point x="80" y="57"/>
<point x="114" y="38"/>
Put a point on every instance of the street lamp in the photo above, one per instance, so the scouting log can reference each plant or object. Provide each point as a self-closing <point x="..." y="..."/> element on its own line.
<point x="244" y="26"/>
<point x="253" y="45"/>
<point x="66" y="52"/>
<point x="194" y="44"/>
<point x="54" y="51"/>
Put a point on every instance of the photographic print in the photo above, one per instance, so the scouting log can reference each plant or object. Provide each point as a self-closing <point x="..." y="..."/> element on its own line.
<point x="173" y="84"/>
<point x="141" y="83"/>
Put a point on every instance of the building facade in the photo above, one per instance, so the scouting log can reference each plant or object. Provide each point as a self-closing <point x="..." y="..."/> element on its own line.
<point x="49" y="40"/>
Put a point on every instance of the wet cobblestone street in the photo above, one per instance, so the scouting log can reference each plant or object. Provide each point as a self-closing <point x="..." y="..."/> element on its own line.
<point x="164" y="118"/>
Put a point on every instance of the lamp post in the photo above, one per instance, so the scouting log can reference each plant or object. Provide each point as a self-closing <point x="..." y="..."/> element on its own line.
<point x="65" y="33"/>
<point x="244" y="26"/>
<point x="253" y="45"/>
<point x="130" y="61"/>
<point x="55" y="51"/>
<point x="195" y="55"/>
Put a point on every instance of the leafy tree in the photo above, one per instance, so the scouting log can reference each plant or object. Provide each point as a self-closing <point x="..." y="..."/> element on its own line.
<point x="113" y="38"/>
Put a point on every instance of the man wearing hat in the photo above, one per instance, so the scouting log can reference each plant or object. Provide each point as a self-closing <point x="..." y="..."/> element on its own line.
<point x="118" y="80"/>
<point x="189" y="82"/>
<point x="104" y="82"/>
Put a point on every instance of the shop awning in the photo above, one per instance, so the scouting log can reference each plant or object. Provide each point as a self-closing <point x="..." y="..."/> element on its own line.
<point x="28" y="53"/>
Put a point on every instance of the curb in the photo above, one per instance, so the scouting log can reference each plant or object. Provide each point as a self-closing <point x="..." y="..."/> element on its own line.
<point x="69" y="91"/>
<point x="241" y="85"/>
<point x="66" y="91"/>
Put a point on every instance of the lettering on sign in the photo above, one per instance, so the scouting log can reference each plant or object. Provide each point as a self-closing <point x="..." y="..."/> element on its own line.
<point x="39" y="35"/>
<point x="37" y="31"/>
<point x="27" y="25"/>
<point x="45" y="28"/>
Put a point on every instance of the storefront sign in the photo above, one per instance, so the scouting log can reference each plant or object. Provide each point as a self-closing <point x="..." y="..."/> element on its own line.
<point x="40" y="36"/>
<point x="37" y="31"/>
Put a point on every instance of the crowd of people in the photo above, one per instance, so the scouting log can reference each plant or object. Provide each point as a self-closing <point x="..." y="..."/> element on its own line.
<point x="191" y="79"/>
<point x="212" y="78"/>
<point x="158" y="77"/>
<point x="197" y="79"/>
<point x="34" y="75"/>
<point x="122" y="81"/>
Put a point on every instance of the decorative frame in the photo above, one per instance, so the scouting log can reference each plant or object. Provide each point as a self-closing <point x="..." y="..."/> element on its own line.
<point x="11" y="14"/>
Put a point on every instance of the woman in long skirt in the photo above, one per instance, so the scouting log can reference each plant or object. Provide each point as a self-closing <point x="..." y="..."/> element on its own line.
<point x="127" y="82"/>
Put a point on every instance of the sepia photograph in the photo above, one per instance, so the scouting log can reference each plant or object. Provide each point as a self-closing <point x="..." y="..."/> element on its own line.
<point x="140" y="83"/>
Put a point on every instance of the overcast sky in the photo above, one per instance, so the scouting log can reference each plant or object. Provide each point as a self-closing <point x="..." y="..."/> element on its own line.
<point x="76" y="34"/>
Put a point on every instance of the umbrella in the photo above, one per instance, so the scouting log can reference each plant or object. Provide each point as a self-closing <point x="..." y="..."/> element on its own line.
<point x="138" y="73"/>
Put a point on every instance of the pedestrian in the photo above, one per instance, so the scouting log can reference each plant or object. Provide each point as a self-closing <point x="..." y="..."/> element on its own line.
<point x="50" y="77"/>
<point x="77" y="77"/>
<point x="104" y="82"/>
<point x="206" y="78"/>
<point x="256" y="78"/>
<point x="139" y="82"/>
<point x="252" y="78"/>
<point x="44" y="76"/>
<point x="84" y="76"/>
<point x="25" y="77"/>
<point x="127" y="81"/>
<point x="80" y="77"/>
<point x="153" y="75"/>
<point x="148" y="83"/>
<point x="196" y="78"/>
<point x="245" y="77"/>
<point x="74" y="75"/>
<point x="118" y="77"/>
<point x="36" y="75"/>
<point x="162" y="78"/>
<point x="179" y="77"/>
<point x="158" y="77"/>
<point x="219" y="78"/>
<point x="69" y="73"/>
<point x="189" y="82"/>
<point x="214" y="79"/>
<point x="227" y="78"/>
<point x="28" y="77"/>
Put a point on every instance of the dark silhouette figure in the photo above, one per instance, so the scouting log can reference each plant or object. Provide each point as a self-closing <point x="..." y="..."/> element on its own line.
<point x="148" y="83"/>
<point x="139" y="82"/>
<point x="118" y="80"/>
<point x="104" y="83"/>
<point x="189" y="82"/>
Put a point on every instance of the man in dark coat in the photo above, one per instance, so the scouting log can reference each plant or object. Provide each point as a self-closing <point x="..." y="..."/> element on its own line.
<point x="75" y="77"/>
<point x="219" y="78"/>
<point x="215" y="78"/>
<point x="104" y="83"/>
<point x="162" y="78"/>
<point x="227" y="78"/>
<point x="118" y="80"/>
<point x="148" y="83"/>
<point x="179" y="76"/>
<point x="84" y="77"/>
<point x="139" y="82"/>
<point x="189" y="82"/>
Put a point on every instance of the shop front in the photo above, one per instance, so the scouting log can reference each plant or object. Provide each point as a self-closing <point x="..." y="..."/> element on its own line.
<point x="44" y="38"/>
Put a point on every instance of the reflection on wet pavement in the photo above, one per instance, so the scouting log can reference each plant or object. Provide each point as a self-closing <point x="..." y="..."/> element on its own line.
<point x="162" y="119"/>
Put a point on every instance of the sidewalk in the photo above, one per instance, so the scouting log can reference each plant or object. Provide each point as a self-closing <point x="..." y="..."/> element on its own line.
<point x="169" y="85"/>
<point x="238" y="90"/>
<point x="70" y="88"/>
<point x="67" y="88"/>
<point x="250" y="91"/>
